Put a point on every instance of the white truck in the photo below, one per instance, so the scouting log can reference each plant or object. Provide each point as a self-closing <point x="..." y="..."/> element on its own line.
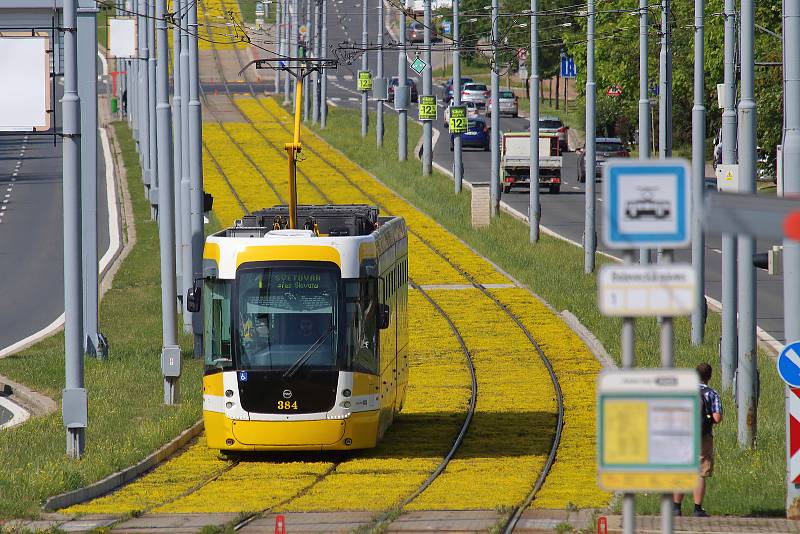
<point x="515" y="162"/>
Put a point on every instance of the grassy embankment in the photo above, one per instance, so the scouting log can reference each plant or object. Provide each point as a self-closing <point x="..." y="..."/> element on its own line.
<point x="127" y="417"/>
<point x="746" y="482"/>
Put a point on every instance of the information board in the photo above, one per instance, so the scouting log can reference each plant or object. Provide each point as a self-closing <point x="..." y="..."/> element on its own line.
<point x="458" y="119"/>
<point x="646" y="290"/>
<point x="25" y="90"/>
<point x="648" y="424"/>
<point x="427" y="108"/>
<point x="122" y="37"/>
<point x="364" y="80"/>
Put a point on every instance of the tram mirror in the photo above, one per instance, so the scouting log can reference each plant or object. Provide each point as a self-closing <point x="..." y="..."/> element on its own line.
<point x="193" y="299"/>
<point x="384" y="316"/>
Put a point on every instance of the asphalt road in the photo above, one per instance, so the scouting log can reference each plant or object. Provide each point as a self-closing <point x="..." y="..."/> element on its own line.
<point x="31" y="233"/>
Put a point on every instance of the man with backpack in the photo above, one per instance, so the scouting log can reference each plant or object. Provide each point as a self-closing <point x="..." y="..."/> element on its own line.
<point x="710" y="415"/>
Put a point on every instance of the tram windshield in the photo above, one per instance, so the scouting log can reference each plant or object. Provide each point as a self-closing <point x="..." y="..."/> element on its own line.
<point x="287" y="318"/>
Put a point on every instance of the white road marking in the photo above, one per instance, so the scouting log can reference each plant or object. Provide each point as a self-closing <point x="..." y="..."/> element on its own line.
<point x="718" y="251"/>
<point x="576" y="188"/>
<point x="793" y="357"/>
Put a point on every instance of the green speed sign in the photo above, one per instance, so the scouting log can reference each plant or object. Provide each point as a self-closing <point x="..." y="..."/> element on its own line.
<point x="458" y="119"/>
<point x="364" y="80"/>
<point x="427" y="108"/>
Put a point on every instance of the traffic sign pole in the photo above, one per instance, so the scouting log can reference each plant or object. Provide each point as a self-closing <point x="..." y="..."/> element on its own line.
<point x="402" y="78"/>
<point x="458" y="166"/>
<point x="427" y="89"/>
<point x="364" y="66"/>
<point x="628" y="362"/>
<point x="323" y="92"/>
<point x="644" y="102"/>
<point x="791" y="246"/>
<point x="494" y="189"/>
<point x="589" y="228"/>
<point x="380" y="103"/>
<point x="699" y="172"/>
<point x="746" y="378"/>
<point x="534" y="204"/>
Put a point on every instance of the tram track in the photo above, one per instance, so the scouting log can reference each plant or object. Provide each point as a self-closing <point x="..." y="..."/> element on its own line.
<point x="473" y="377"/>
<point x="515" y="515"/>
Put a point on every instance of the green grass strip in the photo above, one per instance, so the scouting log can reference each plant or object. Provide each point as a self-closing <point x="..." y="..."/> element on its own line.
<point x="127" y="417"/>
<point x="745" y="482"/>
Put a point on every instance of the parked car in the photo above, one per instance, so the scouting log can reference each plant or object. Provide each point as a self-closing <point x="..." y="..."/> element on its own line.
<point x="477" y="135"/>
<point x="509" y="104"/>
<point x="448" y="87"/>
<point x="472" y="112"/>
<point x="475" y="92"/>
<point x="395" y="81"/>
<point x="415" y="32"/>
<point x="605" y="148"/>
<point x="554" y="125"/>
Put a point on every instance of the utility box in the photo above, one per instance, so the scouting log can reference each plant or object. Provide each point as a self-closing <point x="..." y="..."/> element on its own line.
<point x="402" y="98"/>
<point x="380" y="89"/>
<point x="480" y="205"/>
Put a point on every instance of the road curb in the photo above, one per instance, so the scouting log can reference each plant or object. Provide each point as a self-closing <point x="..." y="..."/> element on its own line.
<point x="115" y="480"/>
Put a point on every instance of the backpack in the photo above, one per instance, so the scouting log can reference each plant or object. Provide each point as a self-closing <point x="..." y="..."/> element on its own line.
<point x="706" y="415"/>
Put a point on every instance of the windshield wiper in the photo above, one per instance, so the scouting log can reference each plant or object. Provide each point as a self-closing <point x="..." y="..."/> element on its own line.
<point x="307" y="354"/>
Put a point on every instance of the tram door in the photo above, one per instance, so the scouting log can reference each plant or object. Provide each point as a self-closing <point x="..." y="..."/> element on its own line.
<point x="388" y="361"/>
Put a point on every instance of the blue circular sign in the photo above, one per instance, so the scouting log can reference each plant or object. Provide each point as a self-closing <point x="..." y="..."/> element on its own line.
<point x="789" y="364"/>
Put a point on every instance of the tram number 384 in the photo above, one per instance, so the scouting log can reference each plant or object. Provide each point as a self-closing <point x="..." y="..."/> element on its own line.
<point x="287" y="405"/>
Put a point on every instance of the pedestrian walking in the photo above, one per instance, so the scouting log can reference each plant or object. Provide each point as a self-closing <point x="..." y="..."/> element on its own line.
<point x="710" y="415"/>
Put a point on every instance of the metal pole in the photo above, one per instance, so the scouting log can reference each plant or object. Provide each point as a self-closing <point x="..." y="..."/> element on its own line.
<point x="791" y="186"/>
<point x="309" y="48"/>
<point x="294" y="36"/>
<point x="144" y="98"/>
<point x="698" y="172"/>
<point x="590" y="229"/>
<point x="195" y="168"/>
<point x="628" y="362"/>
<point x="644" y="102"/>
<point x="427" y="90"/>
<point x="380" y="103"/>
<point x="494" y="189"/>
<point x="664" y="88"/>
<point x="667" y="361"/>
<point x="728" y="354"/>
<point x="87" y="91"/>
<point x="402" y="79"/>
<point x="186" y="167"/>
<point x="279" y="39"/>
<point x="323" y="94"/>
<point x="74" y="401"/>
<point x="177" y="155"/>
<point x="166" y="224"/>
<point x="746" y="375"/>
<point x="534" y="202"/>
<point x="458" y="164"/>
<point x="318" y="54"/>
<point x="364" y="66"/>
<point x="151" y="90"/>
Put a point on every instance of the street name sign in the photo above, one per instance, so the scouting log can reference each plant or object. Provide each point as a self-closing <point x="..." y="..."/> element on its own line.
<point x="427" y="108"/>
<point x="418" y="65"/>
<point x="647" y="203"/>
<point x="364" y="80"/>
<point x="789" y="364"/>
<point x="646" y="290"/>
<point x="759" y="216"/>
<point x="727" y="178"/>
<point x="648" y="423"/>
<point x="458" y="119"/>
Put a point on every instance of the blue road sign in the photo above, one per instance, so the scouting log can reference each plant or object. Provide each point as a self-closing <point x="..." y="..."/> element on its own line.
<point x="646" y="203"/>
<point x="789" y="364"/>
<point x="568" y="69"/>
<point x="446" y="27"/>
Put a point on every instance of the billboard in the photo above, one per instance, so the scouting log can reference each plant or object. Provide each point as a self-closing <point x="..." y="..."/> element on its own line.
<point x="25" y="93"/>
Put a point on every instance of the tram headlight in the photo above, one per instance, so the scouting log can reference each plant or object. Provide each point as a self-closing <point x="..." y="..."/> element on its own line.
<point x="229" y="405"/>
<point x="229" y="393"/>
<point x="346" y="393"/>
<point x="345" y="404"/>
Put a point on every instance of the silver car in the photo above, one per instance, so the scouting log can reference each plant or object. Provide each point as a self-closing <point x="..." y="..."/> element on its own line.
<point x="509" y="104"/>
<point x="475" y="92"/>
<point x="554" y="125"/>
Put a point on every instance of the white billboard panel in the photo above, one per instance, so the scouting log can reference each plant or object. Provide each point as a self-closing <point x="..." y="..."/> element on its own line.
<point x="122" y="37"/>
<point x="25" y="91"/>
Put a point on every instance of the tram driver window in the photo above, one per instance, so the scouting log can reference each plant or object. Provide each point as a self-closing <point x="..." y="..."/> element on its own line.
<point x="362" y="311"/>
<point x="217" y="323"/>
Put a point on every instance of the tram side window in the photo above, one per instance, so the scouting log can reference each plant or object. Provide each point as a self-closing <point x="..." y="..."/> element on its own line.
<point x="362" y="340"/>
<point x="217" y="323"/>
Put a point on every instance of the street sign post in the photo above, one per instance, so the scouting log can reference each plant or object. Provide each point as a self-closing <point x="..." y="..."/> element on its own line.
<point x="427" y="108"/>
<point x="789" y="364"/>
<point x="727" y="178"/>
<point x="364" y="80"/>
<point x="646" y="290"/>
<point x="458" y="119"/>
<point x="418" y="65"/>
<point x="647" y="204"/>
<point x="648" y="430"/>
<point x="568" y="69"/>
<point x="794" y="436"/>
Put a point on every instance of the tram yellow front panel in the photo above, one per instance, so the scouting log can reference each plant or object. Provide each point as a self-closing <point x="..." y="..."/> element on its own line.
<point x="288" y="433"/>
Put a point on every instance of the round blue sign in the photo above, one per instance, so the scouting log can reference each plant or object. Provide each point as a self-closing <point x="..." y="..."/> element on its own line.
<point x="789" y="364"/>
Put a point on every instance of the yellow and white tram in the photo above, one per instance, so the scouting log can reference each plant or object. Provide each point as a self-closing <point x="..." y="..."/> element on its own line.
<point x="305" y="331"/>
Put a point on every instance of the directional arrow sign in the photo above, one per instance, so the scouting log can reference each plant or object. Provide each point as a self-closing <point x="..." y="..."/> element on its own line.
<point x="789" y="364"/>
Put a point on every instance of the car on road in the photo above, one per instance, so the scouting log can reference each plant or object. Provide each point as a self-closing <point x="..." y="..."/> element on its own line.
<point x="475" y="92"/>
<point x="415" y="32"/>
<point x="605" y="148"/>
<point x="448" y="87"/>
<point x="509" y="104"/>
<point x="477" y="136"/>
<point x="395" y="81"/>
<point x="472" y="112"/>
<point x="554" y="125"/>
